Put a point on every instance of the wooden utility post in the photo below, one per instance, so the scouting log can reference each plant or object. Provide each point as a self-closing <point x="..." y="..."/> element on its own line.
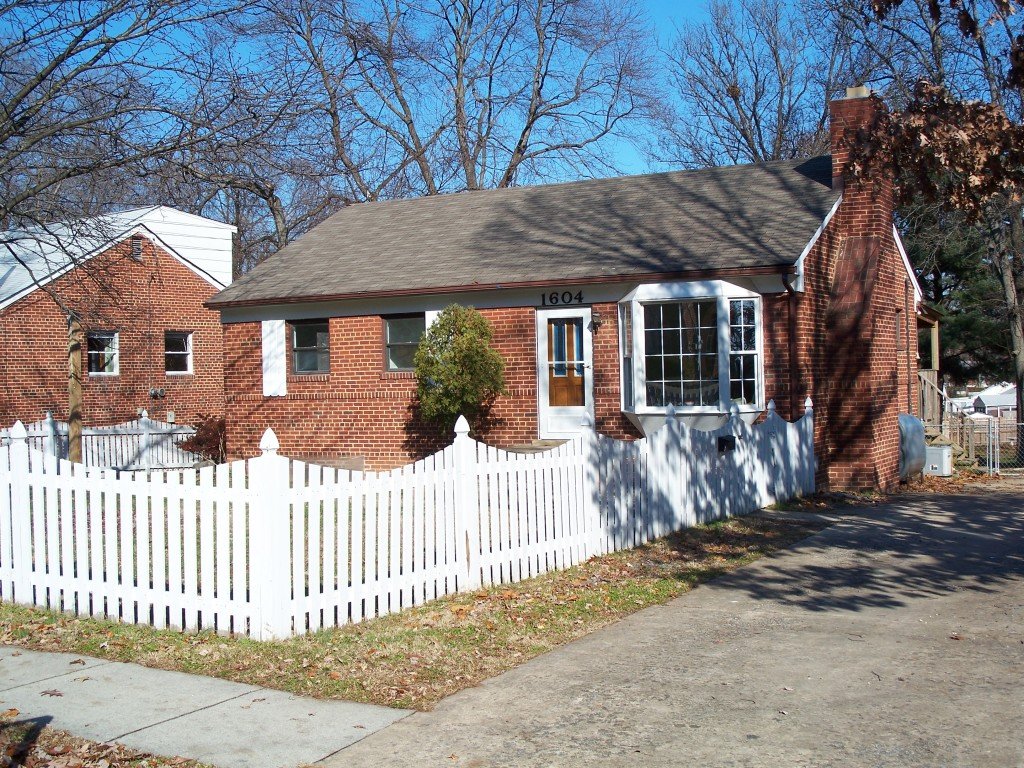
<point x="74" y="388"/>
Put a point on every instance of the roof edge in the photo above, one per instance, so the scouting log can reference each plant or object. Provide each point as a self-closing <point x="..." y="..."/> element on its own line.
<point x="778" y="269"/>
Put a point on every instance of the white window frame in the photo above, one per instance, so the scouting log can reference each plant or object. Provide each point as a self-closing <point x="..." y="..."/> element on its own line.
<point x="663" y="293"/>
<point x="116" y="348"/>
<point x="187" y="353"/>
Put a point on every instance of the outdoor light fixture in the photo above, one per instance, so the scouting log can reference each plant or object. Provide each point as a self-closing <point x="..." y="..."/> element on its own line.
<point x="596" y="321"/>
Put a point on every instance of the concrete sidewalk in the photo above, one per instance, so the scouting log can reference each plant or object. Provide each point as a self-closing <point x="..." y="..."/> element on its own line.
<point x="895" y="638"/>
<point x="230" y="725"/>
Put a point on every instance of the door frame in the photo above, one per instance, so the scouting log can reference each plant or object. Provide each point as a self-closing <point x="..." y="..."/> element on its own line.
<point x="563" y="422"/>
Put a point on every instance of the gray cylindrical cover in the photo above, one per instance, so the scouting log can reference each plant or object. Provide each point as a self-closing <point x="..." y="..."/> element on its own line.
<point x="912" y="446"/>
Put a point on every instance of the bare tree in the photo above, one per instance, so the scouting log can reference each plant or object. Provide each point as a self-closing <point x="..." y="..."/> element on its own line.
<point x="418" y="97"/>
<point x="752" y="83"/>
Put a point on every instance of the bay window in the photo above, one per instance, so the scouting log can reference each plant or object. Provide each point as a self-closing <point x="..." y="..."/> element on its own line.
<point x="695" y="347"/>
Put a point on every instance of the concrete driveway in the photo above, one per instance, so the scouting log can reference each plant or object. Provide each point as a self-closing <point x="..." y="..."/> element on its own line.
<point x="895" y="638"/>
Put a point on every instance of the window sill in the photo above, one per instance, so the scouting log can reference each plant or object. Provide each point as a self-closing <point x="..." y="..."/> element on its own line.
<point x="104" y="375"/>
<point x="398" y="375"/>
<point x="299" y="377"/>
<point x="179" y="374"/>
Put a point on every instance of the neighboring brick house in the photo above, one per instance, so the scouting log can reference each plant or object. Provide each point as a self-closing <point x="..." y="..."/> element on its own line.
<point x="710" y="290"/>
<point x="137" y="280"/>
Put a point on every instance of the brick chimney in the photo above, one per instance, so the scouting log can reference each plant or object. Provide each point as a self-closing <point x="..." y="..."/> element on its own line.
<point x="867" y="289"/>
<point x="870" y="200"/>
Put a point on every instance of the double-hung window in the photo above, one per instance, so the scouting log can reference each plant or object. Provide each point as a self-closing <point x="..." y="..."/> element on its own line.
<point x="102" y="353"/>
<point x="743" y="359"/>
<point x="311" y="352"/>
<point x="177" y="352"/>
<point x="402" y="334"/>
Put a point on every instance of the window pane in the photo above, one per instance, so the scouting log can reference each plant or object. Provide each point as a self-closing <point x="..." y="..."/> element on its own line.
<point x="673" y="340"/>
<point x="310" y="335"/>
<point x="176" y="363"/>
<point x="655" y="394"/>
<point x="670" y="316"/>
<point x="653" y="341"/>
<point x="401" y="357"/>
<point x="709" y="341"/>
<point x="405" y="330"/>
<point x="652" y="316"/>
<point x="175" y="342"/>
<point x="307" y="361"/>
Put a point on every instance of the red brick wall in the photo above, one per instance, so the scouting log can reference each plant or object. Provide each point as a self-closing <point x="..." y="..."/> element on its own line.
<point x="359" y="409"/>
<point x="114" y="292"/>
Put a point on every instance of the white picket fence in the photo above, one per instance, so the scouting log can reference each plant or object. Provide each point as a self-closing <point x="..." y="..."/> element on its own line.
<point x="132" y="445"/>
<point x="270" y="547"/>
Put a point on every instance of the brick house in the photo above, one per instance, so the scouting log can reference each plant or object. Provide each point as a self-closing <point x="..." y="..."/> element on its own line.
<point x="710" y="290"/>
<point x="137" y="280"/>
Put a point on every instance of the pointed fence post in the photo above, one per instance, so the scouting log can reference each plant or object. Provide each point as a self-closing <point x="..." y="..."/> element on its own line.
<point x="21" y="531"/>
<point x="51" y="445"/>
<point x="673" y="464"/>
<point x="147" y="439"/>
<point x="807" y="447"/>
<point x="467" y="504"/>
<point x="593" y="534"/>
<point x="270" y="572"/>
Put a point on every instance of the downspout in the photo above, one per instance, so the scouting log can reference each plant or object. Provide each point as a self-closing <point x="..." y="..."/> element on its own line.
<point x="787" y="282"/>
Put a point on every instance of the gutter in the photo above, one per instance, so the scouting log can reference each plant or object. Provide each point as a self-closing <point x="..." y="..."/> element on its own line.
<point x="787" y="282"/>
<point x="786" y="270"/>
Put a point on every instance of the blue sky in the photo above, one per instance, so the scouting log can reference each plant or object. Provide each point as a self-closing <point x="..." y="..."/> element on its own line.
<point x="664" y="14"/>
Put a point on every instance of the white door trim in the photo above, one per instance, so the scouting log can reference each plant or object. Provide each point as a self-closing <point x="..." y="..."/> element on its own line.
<point x="563" y="422"/>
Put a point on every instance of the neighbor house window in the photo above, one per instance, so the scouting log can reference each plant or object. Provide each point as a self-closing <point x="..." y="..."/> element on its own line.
<point x="681" y="353"/>
<point x="101" y="347"/>
<point x="310" y="346"/>
<point x="177" y="352"/>
<point x="402" y="334"/>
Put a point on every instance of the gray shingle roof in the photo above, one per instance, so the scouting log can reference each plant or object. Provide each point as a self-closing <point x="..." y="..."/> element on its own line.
<point x="732" y="218"/>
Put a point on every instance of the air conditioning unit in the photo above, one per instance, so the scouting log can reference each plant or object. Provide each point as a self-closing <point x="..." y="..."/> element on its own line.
<point x="938" y="460"/>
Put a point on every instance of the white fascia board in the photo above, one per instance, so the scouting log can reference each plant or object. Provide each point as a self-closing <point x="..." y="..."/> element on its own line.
<point x="174" y="213"/>
<point x="798" y="283"/>
<point x="918" y="293"/>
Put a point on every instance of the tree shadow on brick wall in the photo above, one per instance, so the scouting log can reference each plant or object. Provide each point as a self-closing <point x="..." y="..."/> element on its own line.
<point x="424" y="437"/>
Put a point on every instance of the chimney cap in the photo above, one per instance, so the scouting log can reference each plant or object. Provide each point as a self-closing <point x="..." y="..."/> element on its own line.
<point x="858" y="92"/>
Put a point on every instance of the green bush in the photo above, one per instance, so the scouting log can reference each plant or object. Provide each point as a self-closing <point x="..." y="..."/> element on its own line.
<point x="457" y="370"/>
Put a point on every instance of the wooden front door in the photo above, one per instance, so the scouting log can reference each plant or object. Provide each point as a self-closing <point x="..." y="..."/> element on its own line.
<point x="564" y="372"/>
<point x="566" y="366"/>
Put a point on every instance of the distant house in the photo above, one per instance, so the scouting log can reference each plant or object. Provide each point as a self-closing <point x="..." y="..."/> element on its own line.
<point x="999" y="401"/>
<point x="137" y="280"/>
<point x="711" y="291"/>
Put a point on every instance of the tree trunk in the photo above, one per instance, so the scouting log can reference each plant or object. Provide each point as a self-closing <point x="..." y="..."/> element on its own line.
<point x="1006" y="260"/>
<point x="74" y="389"/>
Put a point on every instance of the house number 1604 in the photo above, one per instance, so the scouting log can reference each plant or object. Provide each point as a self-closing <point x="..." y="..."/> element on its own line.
<point x="564" y="297"/>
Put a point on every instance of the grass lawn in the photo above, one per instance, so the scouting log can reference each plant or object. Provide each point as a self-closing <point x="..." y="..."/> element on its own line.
<point x="418" y="657"/>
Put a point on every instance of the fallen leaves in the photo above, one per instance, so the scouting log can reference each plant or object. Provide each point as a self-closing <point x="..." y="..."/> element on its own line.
<point x="52" y="692"/>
